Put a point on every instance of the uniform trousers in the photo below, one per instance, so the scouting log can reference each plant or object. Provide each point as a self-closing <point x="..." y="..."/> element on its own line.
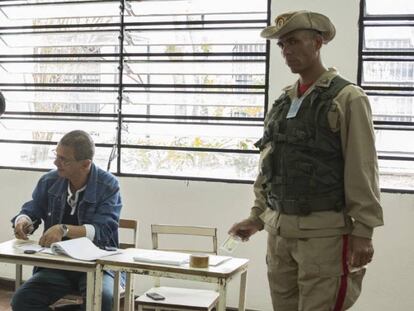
<point x="311" y="274"/>
<point x="47" y="286"/>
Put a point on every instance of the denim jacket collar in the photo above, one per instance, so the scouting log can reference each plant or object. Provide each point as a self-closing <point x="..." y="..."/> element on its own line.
<point x="61" y="185"/>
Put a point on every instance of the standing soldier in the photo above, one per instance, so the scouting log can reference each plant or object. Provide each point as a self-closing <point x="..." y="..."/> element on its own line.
<point x="317" y="192"/>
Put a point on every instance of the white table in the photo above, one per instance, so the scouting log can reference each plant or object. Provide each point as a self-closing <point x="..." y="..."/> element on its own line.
<point x="9" y="253"/>
<point x="219" y="275"/>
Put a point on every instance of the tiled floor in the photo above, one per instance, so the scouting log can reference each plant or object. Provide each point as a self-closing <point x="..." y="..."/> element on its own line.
<point x="5" y="297"/>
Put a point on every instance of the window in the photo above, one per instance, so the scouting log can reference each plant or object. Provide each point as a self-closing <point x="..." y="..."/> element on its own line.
<point x="387" y="74"/>
<point x="173" y="88"/>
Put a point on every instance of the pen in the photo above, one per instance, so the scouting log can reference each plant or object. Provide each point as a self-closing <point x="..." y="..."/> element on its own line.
<point x="32" y="224"/>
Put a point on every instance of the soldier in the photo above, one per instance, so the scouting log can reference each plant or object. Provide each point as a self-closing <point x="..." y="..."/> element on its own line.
<point x="317" y="192"/>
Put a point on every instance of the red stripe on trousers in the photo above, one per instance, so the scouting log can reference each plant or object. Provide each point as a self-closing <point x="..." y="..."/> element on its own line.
<point x="344" y="278"/>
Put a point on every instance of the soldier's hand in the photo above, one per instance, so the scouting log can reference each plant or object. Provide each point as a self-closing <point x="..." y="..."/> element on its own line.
<point x="22" y="229"/>
<point x="52" y="235"/>
<point x="245" y="229"/>
<point x="361" y="251"/>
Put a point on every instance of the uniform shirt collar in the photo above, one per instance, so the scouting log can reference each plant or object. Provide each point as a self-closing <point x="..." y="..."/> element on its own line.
<point x="323" y="81"/>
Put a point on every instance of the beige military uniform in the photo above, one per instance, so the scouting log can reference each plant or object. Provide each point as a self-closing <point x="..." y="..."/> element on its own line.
<point x="305" y="253"/>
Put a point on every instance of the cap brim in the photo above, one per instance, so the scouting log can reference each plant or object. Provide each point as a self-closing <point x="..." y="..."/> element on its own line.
<point x="268" y="32"/>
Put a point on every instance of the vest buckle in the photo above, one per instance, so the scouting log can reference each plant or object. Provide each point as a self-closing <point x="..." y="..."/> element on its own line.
<point x="303" y="207"/>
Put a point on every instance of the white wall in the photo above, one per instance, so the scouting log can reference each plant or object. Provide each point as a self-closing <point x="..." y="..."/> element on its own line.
<point x="389" y="278"/>
<point x="388" y="282"/>
<point x="163" y="201"/>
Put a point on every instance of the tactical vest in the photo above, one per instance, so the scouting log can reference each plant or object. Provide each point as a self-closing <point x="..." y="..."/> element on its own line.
<point x="304" y="171"/>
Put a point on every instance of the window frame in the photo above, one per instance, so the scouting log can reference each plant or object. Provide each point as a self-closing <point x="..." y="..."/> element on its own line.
<point x="120" y="87"/>
<point x="399" y="20"/>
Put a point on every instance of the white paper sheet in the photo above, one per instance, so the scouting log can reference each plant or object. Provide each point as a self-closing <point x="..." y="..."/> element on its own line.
<point x="174" y="258"/>
<point x="30" y="247"/>
<point x="163" y="258"/>
<point x="80" y="248"/>
<point x="214" y="261"/>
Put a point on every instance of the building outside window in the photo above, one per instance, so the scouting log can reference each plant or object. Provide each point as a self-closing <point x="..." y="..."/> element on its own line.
<point x="172" y="88"/>
<point x="387" y="74"/>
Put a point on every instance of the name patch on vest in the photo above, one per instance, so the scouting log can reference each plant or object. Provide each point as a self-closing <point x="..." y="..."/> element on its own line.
<point x="294" y="107"/>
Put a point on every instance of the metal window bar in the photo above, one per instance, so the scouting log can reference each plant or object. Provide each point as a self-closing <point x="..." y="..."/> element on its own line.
<point x="122" y="58"/>
<point x="384" y="88"/>
<point x="27" y="3"/>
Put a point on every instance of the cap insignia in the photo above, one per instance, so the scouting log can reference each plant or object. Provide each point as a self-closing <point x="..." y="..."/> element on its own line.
<point x="280" y="22"/>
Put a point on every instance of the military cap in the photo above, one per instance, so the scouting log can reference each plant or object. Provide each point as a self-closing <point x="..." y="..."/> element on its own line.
<point x="291" y="21"/>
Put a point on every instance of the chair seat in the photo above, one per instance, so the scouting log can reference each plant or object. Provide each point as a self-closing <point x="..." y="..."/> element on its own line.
<point x="182" y="298"/>
<point x="73" y="301"/>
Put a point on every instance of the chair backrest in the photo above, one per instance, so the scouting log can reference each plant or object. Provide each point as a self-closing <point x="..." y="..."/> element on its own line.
<point x="157" y="230"/>
<point x="132" y="226"/>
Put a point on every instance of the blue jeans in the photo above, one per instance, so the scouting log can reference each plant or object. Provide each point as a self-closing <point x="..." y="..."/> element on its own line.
<point x="47" y="286"/>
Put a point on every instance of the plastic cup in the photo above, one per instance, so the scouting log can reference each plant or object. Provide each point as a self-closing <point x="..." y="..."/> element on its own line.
<point x="231" y="243"/>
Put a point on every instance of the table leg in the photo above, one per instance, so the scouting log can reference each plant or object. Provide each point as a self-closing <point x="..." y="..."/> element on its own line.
<point x="116" y="291"/>
<point x="19" y="276"/>
<point x="129" y="292"/>
<point x="90" y="292"/>
<point x="98" y="288"/>
<point x="242" y="295"/>
<point x="222" y="295"/>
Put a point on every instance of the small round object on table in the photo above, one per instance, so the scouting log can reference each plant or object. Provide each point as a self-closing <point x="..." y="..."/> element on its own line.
<point x="198" y="261"/>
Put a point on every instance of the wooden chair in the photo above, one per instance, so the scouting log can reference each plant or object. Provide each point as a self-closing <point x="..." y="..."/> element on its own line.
<point x="74" y="301"/>
<point x="178" y="299"/>
<point x="131" y="226"/>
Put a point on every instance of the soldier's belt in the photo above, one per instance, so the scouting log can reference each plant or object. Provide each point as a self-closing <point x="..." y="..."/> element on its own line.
<point x="305" y="207"/>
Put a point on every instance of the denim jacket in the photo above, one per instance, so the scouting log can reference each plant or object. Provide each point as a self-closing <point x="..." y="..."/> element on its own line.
<point x="101" y="204"/>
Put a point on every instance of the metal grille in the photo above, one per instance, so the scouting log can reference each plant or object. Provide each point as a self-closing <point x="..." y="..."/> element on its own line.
<point x="386" y="72"/>
<point x="167" y="88"/>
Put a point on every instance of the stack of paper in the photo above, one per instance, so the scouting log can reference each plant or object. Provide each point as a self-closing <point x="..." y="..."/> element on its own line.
<point x="80" y="248"/>
<point x="217" y="260"/>
<point x="173" y="258"/>
<point x="163" y="258"/>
